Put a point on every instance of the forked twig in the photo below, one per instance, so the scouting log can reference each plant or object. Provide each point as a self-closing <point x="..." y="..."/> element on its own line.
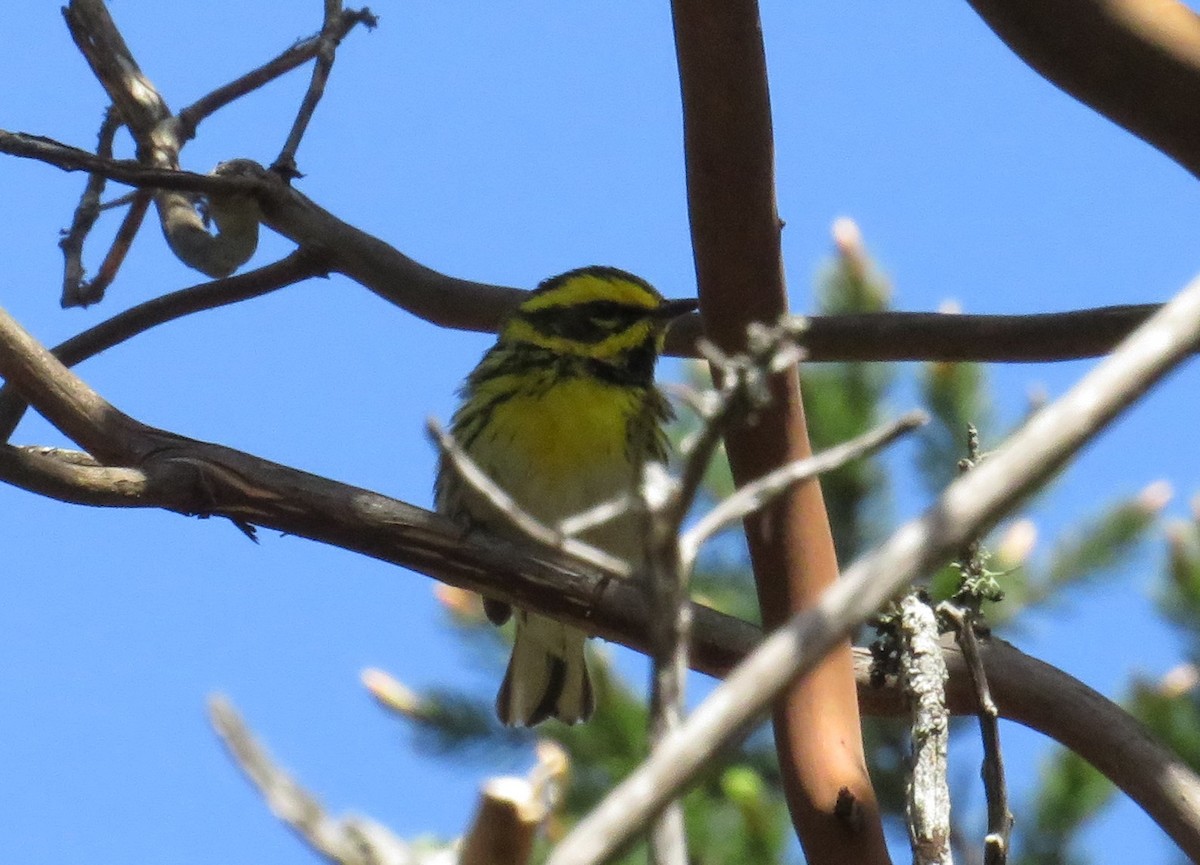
<point x="138" y="205"/>
<point x="337" y="25"/>
<point x="75" y="290"/>
<point x="756" y="494"/>
<point x="295" y="56"/>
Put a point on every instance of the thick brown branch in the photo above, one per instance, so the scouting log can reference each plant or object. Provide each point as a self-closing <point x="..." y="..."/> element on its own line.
<point x="730" y="157"/>
<point x="1137" y="62"/>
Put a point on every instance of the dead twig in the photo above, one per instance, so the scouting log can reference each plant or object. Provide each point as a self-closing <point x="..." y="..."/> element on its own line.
<point x="349" y="840"/>
<point x="968" y="506"/>
<point x="1000" y="819"/>
<point x="295" y="56"/>
<point x="923" y="678"/>
<point x="337" y="24"/>
<point x="75" y="290"/>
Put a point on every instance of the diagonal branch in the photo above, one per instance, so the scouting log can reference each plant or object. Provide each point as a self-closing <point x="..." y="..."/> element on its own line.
<point x="968" y="506"/>
<point x="298" y="266"/>
<point x="349" y="840"/>
<point x="295" y="56"/>
<point x="1137" y="62"/>
<point x="337" y="24"/>
<point x="193" y="477"/>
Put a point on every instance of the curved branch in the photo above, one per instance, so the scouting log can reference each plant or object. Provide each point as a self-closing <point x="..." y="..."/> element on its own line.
<point x="191" y="477"/>
<point x="298" y="266"/>
<point x="448" y="301"/>
<point x="1137" y="62"/>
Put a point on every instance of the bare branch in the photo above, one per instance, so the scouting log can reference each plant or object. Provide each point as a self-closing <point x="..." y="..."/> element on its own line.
<point x="74" y="289"/>
<point x="923" y="677"/>
<point x="127" y="171"/>
<point x="122" y="241"/>
<point x="160" y="137"/>
<point x="337" y="24"/>
<point x="967" y="507"/>
<point x="756" y="494"/>
<point x="294" y="268"/>
<point x="1000" y="818"/>
<point x="349" y="840"/>
<point x="295" y="56"/>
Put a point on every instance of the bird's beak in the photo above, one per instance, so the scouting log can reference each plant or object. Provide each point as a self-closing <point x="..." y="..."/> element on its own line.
<point x="672" y="309"/>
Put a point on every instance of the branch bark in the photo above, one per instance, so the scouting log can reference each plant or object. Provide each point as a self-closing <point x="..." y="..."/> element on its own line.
<point x="1137" y="62"/>
<point x="968" y="506"/>
<point x="448" y="301"/>
<point x="193" y="477"/>
<point x="730" y="157"/>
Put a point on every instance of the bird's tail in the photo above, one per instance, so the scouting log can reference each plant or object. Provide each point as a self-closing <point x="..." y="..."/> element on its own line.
<point x="547" y="675"/>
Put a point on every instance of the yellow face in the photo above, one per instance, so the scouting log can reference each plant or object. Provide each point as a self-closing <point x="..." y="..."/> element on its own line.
<point x="596" y="312"/>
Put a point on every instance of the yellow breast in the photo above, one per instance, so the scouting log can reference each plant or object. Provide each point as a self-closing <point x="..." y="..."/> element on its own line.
<point x="560" y="449"/>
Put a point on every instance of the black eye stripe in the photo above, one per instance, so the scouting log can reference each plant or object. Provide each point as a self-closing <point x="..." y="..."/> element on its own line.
<point x="586" y="322"/>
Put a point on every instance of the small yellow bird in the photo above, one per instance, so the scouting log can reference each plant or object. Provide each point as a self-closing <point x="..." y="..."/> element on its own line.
<point x="559" y="413"/>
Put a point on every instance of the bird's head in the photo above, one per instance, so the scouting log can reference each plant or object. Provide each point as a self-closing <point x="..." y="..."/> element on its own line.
<point x="599" y="313"/>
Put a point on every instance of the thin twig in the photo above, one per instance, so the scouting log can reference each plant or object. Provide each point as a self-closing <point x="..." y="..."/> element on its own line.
<point x="506" y="506"/>
<point x="332" y="32"/>
<point x="119" y="201"/>
<point x="665" y="584"/>
<point x="74" y="288"/>
<point x="756" y="494"/>
<point x="294" y="268"/>
<point x="349" y="840"/>
<point x="1000" y="818"/>
<point x="970" y="504"/>
<point x="597" y="515"/>
<point x="295" y="56"/>
<point x="122" y="241"/>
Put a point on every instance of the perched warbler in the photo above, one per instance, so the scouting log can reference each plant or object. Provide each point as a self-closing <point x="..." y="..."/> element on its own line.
<point x="559" y="413"/>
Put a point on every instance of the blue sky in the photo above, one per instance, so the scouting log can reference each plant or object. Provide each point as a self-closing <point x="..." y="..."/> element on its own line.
<point x="503" y="142"/>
